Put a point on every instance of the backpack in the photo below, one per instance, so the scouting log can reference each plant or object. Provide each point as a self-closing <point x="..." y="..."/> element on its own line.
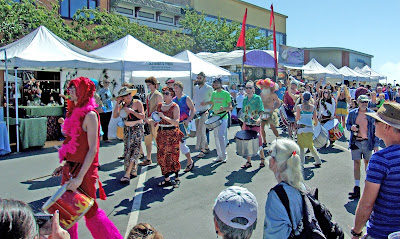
<point x="317" y="220"/>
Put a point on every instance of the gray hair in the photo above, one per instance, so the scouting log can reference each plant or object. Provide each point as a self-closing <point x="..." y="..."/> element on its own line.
<point x="235" y="233"/>
<point x="286" y="154"/>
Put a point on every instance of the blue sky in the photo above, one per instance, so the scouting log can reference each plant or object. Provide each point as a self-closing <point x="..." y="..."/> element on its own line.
<point x="368" y="26"/>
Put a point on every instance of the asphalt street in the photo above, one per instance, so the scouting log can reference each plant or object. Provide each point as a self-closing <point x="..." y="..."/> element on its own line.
<point x="184" y="212"/>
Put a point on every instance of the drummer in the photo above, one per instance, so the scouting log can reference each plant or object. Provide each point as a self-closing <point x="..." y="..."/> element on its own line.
<point x="221" y="103"/>
<point x="80" y="156"/>
<point x="186" y="114"/>
<point x="271" y="103"/>
<point x="252" y="108"/>
<point x="305" y="115"/>
<point x="202" y="94"/>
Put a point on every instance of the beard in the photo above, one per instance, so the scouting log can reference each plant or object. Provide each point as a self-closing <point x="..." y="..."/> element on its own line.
<point x="266" y="91"/>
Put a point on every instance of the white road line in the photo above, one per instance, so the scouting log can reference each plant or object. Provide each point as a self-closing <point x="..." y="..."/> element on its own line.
<point x="341" y="147"/>
<point x="134" y="214"/>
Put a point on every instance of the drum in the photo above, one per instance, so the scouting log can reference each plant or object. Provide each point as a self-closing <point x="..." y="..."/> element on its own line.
<point x="199" y="114"/>
<point x="155" y="117"/>
<point x="123" y="114"/>
<point x="71" y="205"/>
<point x="213" y="122"/>
<point x="120" y="130"/>
<point x="247" y="143"/>
<point x="320" y="136"/>
<point x="335" y="129"/>
<point x="184" y="130"/>
<point x="284" y="118"/>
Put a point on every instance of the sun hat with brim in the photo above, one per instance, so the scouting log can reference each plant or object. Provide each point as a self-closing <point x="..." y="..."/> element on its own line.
<point x="363" y="98"/>
<point x="388" y="113"/>
<point x="126" y="91"/>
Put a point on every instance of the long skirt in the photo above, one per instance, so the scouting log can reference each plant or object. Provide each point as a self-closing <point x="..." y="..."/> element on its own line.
<point x="133" y="136"/>
<point x="168" y="150"/>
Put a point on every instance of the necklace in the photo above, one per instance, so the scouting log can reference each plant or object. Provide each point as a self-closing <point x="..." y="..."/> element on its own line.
<point x="165" y="104"/>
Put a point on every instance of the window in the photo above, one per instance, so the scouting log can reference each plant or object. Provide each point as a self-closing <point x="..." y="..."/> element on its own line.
<point x="69" y="7"/>
<point x="166" y="19"/>
<point x="124" y="10"/>
<point x="146" y="15"/>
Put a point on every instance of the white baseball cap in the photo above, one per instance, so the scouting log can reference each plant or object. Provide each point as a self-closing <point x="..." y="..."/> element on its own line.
<point x="234" y="202"/>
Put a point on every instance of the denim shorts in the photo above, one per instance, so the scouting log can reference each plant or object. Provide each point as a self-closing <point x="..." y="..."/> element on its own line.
<point x="362" y="151"/>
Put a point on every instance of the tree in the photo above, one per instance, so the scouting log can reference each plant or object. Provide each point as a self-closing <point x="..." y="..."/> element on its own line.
<point x="19" y="19"/>
<point x="219" y="34"/>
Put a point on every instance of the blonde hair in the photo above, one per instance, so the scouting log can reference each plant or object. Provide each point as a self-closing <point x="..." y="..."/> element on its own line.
<point x="288" y="162"/>
<point x="346" y="92"/>
<point x="144" y="231"/>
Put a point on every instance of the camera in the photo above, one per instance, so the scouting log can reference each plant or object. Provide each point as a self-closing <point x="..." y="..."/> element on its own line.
<point x="44" y="222"/>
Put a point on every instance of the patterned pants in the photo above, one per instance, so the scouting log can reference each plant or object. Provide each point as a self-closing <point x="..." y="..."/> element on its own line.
<point x="133" y="136"/>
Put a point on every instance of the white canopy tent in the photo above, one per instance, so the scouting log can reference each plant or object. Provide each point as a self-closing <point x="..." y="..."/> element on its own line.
<point x="314" y="70"/>
<point x="338" y="76"/>
<point x="373" y="74"/>
<point x="140" y="61"/>
<point x="227" y="58"/>
<point x="209" y="69"/>
<point x="352" y="75"/>
<point x="42" y="50"/>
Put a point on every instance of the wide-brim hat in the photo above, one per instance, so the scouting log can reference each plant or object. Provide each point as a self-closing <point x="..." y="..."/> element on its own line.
<point x="388" y="113"/>
<point x="126" y="91"/>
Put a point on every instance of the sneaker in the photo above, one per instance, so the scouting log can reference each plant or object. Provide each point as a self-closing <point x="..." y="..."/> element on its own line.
<point x="218" y="159"/>
<point x="356" y="193"/>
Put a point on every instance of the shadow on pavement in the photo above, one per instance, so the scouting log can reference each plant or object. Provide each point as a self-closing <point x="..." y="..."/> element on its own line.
<point x="308" y="173"/>
<point x="206" y="170"/>
<point x="351" y="206"/>
<point x="241" y="176"/>
<point x="48" y="183"/>
<point x="34" y="151"/>
<point x="151" y="193"/>
<point x="37" y="205"/>
<point x="112" y="185"/>
<point x="111" y="166"/>
<point x="330" y="150"/>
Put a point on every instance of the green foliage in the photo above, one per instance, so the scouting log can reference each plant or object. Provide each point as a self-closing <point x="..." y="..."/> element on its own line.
<point x="219" y="34"/>
<point x="19" y="19"/>
<point x="95" y="27"/>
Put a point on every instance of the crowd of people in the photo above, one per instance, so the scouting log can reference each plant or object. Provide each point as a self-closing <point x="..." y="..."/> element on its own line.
<point x="372" y="116"/>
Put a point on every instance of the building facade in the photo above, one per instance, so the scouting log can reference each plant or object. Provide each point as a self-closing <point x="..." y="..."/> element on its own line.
<point x="339" y="57"/>
<point x="165" y="15"/>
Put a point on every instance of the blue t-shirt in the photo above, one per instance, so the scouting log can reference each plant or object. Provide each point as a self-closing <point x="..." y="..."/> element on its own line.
<point x="384" y="169"/>
<point x="281" y="92"/>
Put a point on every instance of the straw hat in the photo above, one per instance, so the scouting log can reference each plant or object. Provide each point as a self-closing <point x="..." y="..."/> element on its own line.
<point x="388" y="113"/>
<point x="126" y="91"/>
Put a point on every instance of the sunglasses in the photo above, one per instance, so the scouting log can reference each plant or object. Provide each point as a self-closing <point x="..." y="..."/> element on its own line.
<point x="249" y="88"/>
<point x="165" y="92"/>
<point x="326" y="92"/>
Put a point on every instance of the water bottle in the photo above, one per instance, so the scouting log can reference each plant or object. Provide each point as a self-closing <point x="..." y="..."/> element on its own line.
<point x="356" y="132"/>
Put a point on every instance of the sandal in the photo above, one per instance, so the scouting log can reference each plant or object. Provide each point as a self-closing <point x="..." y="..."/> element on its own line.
<point x="262" y="165"/>
<point x="141" y="156"/>
<point x="145" y="162"/>
<point x="247" y="165"/>
<point x="206" y="151"/>
<point x="200" y="155"/>
<point x="189" y="167"/>
<point x="164" y="183"/>
<point x="121" y="157"/>
<point x="177" y="183"/>
<point x="125" y="179"/>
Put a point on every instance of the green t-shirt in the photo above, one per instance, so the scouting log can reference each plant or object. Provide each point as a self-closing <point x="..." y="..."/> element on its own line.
<point x="219" y="99"/>
<point x="252" y="108"/>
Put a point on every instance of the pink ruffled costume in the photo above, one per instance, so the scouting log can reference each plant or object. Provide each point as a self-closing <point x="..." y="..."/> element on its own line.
<point x="74" y="150"/>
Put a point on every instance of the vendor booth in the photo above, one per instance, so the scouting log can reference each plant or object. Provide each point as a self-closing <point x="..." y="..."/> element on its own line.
<point x="41" y="51"/>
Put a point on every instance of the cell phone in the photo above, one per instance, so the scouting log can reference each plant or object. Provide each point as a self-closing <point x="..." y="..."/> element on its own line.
<point x="44" y="222"/>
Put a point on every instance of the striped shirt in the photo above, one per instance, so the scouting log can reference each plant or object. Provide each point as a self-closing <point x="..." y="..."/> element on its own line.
<point x="384" y="169"/>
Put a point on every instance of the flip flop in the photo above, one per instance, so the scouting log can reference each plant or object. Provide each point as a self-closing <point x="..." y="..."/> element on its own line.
<point x="125" y="179"/>
<point x="145" y="162"/>
<point x="262" y="165"/>
<point x="200" y="155"/>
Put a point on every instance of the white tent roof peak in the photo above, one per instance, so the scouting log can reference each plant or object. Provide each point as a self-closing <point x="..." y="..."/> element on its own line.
<point x="129" y="48"/>
<point x="200" y="65"/>
<point x="42" y="49"/>
<point x="314" y="67"/>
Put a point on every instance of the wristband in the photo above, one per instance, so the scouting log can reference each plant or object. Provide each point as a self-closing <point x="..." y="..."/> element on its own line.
<point x="356" y="234"/>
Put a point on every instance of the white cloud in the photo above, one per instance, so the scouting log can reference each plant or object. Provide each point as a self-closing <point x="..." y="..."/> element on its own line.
<point x="391" y="70"/>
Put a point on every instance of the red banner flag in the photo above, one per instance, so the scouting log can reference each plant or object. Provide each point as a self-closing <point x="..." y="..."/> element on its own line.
<point x="242" y="38"/>
<point x="272" y="21"/>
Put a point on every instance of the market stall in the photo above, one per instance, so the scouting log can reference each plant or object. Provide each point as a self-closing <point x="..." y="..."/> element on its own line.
<point x="39" y="51"/>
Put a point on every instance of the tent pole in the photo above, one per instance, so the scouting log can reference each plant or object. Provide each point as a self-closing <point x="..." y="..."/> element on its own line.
<point x="7" y="96"/>
<point x="16" y="106"/>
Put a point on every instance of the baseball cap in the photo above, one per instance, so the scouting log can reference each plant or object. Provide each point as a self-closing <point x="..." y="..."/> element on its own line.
<point x="363" y="98"/>
<point x="234" y="202"/>
<point x="218" y="79"/>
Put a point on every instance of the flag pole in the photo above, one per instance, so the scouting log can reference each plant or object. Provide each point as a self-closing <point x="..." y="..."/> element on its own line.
<point x="242" y="42"/>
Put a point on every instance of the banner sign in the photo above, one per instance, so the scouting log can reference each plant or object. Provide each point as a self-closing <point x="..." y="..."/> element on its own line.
<point x="291" y="56"/>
